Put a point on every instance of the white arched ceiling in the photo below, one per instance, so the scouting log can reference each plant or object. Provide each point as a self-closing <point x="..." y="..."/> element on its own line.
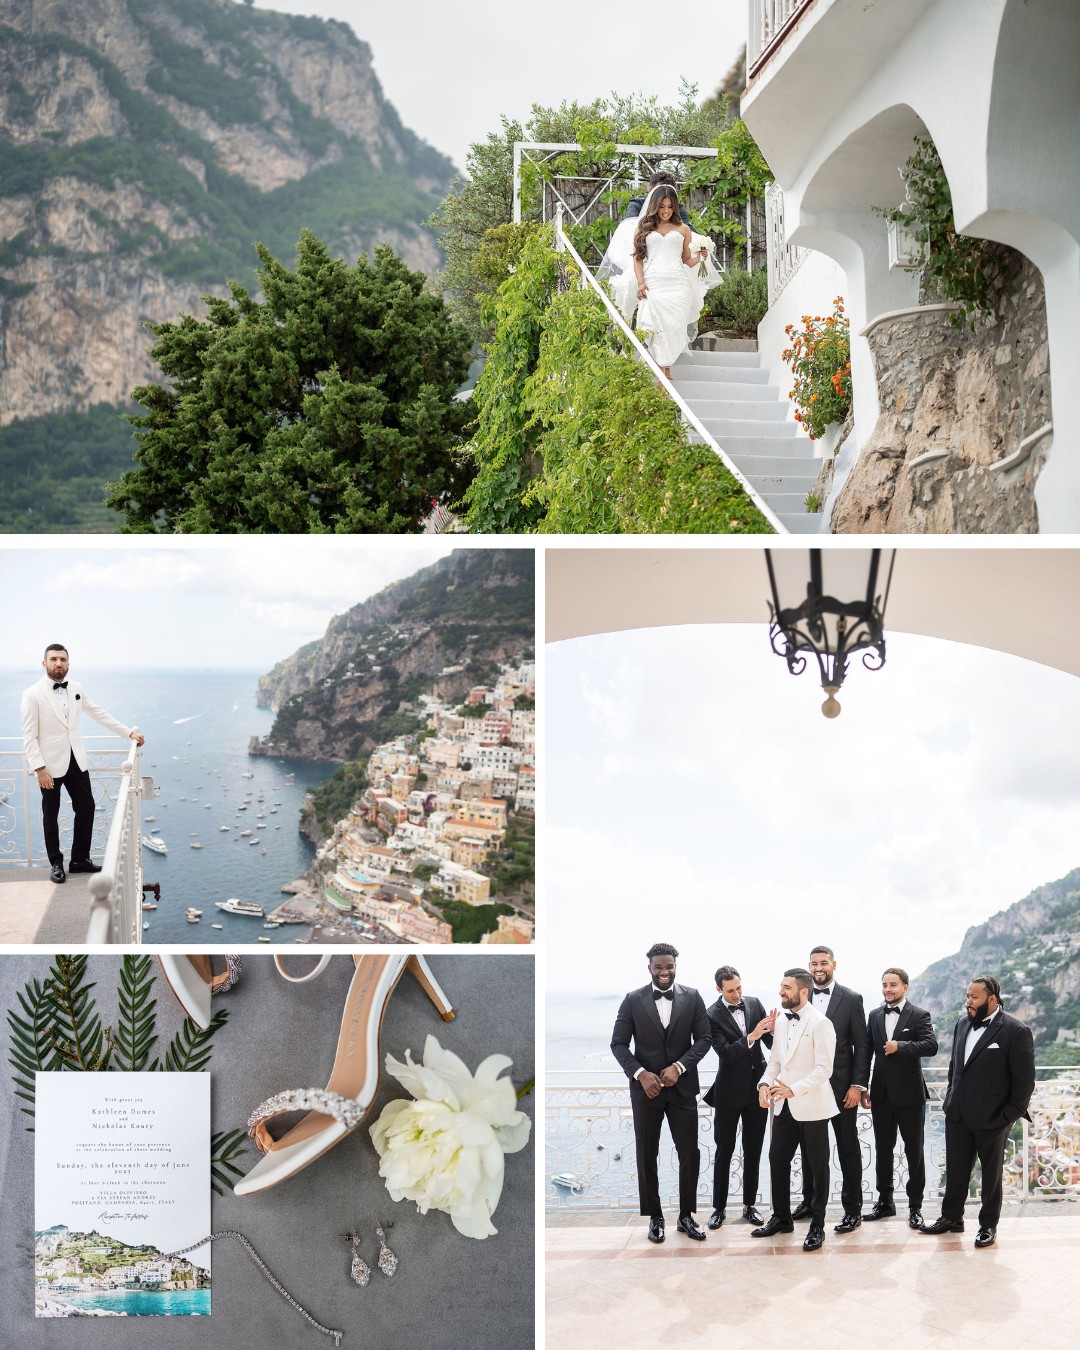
<point x="1023" y="600"/>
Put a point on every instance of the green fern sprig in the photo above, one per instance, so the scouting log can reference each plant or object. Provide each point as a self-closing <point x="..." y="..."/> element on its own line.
<point x="134" y="1036"/>
<point x="190" y="1049"/>
<point x="224" y="1147"/>
<point x="32" y="1048"/>
<point x="76" y="1032"/>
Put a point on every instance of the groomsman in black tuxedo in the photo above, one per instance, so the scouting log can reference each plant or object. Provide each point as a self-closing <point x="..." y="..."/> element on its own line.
<point x="991" y="1079"/>
<point x="738" y="1025"/>
<point x="669" y="1028"/>
<point x="850" y="1079"/>
<point x="901" y="1036"/>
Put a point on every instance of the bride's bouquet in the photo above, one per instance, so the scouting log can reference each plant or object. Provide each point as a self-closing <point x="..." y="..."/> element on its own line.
<point x="697" y="243"/>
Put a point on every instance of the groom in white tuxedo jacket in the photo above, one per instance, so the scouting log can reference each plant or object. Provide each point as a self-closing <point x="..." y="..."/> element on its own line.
<point x="796" y="1090"/>
<point x="52" y="740"/>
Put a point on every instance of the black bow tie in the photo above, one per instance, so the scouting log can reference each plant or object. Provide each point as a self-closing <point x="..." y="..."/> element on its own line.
<point x="891" y="1007"/>
<point x="737" y="1007"/>
<point x="792" y="1017"/>
<point x="824" y="992"/>
<point x="61" y="684"/>
<point x="977" y="1023"/>
<point x="663" y="993"/>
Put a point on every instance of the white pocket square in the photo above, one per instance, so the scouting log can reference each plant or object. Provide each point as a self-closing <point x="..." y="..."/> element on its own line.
<point x="993" y="1047"/>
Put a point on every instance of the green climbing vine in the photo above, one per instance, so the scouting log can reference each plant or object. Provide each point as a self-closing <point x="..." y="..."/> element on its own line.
<point x="572" y="435"/>
<point x="957" y="266"/>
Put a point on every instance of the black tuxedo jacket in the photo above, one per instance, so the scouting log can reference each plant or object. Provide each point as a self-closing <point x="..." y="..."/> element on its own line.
<point x="994" y="1087"/>
<point x="742" y="1066"/>
<point x="844" y="1009"/>
<point x="686" y="1038"/>
<point x="898" y="1078"/>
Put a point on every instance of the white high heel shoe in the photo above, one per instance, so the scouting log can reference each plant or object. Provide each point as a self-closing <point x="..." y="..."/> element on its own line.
<point x="337" y="1109"/>
<point x="192" y="980"/>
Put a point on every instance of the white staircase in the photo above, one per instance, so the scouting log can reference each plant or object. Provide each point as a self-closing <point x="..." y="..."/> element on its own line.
<point x="727" y="390"/>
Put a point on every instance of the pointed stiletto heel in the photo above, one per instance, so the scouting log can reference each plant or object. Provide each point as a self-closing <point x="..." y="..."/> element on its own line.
<point x="430" y="985"/>
<point x="336" y="1110"/>
<point x="193" y="982"/>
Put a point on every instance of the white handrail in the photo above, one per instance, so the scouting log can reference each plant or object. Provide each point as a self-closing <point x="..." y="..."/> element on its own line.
<point x="116" y="891"/>
<point x="563" y="245"/>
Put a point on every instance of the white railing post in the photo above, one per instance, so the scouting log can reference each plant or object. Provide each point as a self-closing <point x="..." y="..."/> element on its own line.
<point x="116" y="891"/>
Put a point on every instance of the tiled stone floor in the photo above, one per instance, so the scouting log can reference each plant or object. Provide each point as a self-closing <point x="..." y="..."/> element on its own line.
<point x="608" y="1286"/>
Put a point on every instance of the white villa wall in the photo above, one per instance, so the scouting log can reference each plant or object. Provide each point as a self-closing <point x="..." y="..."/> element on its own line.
<point x="811" y="290"/>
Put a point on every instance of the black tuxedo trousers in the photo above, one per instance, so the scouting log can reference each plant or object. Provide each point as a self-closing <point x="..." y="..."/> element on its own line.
<point x="681" y="1114"/>
<point x="788" y="1137"/>
<point x="81" y="793"/>
<point x="908" y="1120"/>
<point x="848" y="1152"/>
<point x="725" y="1128"/>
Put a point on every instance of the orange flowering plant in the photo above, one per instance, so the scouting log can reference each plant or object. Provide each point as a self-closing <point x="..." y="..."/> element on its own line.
<point x="820" y="359"/>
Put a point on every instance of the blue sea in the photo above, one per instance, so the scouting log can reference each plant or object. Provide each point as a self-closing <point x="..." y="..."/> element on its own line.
<point x="141" y="1303"/>
<point x="198" y="726"/>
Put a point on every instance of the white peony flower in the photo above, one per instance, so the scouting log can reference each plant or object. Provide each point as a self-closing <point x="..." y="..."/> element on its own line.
<point x="445" y="1150"/>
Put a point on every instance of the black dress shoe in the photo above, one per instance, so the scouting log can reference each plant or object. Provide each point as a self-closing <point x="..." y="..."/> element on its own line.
<point x="58" y="874"/>
<point x="986" y="1237"/>
<point x="803" y="1210"/>
<point x="814" y="1238"/>
<point x="915" y="1219"/>
<point x="848" y="1224"/>
<point x="656" y="1230"/>
<point x="85" y="866"/>
<point x="943" y="1226"/>
<point x="751" y="1215"/>
<point x="716" y="1218"/>
<point x="774" y="1225"/>
<point x="689" y="1225"/>
<point x="884" y="1209"/>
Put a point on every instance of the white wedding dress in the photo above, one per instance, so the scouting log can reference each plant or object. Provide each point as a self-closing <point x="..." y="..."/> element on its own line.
<point x="676" y="293"/>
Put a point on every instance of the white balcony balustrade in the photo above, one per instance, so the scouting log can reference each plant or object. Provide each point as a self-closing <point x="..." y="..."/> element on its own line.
<point x="589" y="1134"/>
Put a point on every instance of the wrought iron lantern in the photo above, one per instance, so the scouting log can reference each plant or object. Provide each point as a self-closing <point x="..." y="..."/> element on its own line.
<point x="828" y="603"/>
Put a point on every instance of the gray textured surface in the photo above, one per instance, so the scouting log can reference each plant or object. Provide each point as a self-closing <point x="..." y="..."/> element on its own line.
<point x="449" y="1291"/>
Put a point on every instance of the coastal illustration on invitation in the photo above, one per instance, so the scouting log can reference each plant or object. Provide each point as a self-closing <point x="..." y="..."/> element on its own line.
<point x="122" y="1190"/>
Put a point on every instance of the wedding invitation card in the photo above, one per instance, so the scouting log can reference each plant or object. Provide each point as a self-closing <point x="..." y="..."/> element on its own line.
<point x="121" y="1181"/>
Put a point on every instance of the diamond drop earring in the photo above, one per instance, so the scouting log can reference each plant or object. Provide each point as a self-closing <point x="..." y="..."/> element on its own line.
<point x="359" y="1270"/>
<point x="388" y="1262"/>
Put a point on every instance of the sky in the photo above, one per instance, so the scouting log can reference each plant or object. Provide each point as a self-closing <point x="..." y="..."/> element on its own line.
<point x="451" y="70"/>
<point x="696" y="795"/>
<point x="209" y="605"/>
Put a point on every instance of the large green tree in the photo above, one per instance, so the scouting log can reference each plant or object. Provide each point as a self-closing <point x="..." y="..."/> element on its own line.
<point x="327" y="406"/>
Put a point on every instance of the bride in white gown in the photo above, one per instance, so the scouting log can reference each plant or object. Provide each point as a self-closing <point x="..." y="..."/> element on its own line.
<point x="661" y="277"/>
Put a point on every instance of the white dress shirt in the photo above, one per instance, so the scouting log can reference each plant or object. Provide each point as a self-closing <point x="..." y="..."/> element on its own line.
<point x="975" y="1033"/>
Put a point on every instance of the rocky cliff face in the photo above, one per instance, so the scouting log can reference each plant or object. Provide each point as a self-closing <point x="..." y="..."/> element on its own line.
<point x="145" y="146"/>
<point x="471" y="610"/>
<point x="1033" y="950"/>
<point x="954" y="405"/>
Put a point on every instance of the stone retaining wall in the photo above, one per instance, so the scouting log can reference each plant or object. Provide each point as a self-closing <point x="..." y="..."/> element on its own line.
<point x="965" y="400"/>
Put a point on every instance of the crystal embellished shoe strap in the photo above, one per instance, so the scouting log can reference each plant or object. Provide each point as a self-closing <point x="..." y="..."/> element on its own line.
<point x="345" y="1110"/>
<point x="221" y="984"/>
<point x="264" y="1270"/>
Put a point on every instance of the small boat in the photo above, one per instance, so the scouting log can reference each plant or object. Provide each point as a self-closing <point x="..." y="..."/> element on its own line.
<point x="254" y="843"/>
<point x="234" y="906"/>
<point x="273" y="923"/>
<point x="145" y="927"/>
<point x="192" y="910"/>
<point x="244" y="834"/>
<point x="217" y="925"/>
<point x="224" y="828"/>
<point x="260" y="827"/>
<point x="149" y="904"/>
<point x="196" y="844"/>
<point x="154" y="843"/>
<point x="247" y="775"/>
<point x="193" y="918"/>
<point x="569" y="1181"/>
<point x="149" y="819"/>
<point x="264" y="939"/>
